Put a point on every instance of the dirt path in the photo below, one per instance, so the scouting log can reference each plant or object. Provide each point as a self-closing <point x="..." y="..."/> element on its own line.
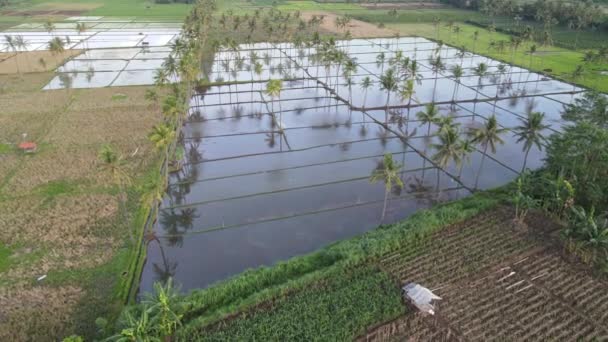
<point x="358" y="28"/>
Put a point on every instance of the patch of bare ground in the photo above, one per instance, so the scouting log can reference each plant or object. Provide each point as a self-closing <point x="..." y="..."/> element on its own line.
<point x="33" y="61"/>
<point x="357" y="28"/>
<point x="37" y="313"/>
<point x="498" y="281"/>
<point x="404" y="5"/>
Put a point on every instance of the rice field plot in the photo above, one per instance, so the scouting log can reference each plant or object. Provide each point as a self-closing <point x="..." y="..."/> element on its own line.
<point x="498" y="282"/>
<point x="114" y="52"/>
<point x="265" y="178"/>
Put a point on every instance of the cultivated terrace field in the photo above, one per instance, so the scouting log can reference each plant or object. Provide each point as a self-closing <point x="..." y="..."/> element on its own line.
<point x="497" y="279"/>
<point x="524" y="262"/>
<point x="66" y="234"/>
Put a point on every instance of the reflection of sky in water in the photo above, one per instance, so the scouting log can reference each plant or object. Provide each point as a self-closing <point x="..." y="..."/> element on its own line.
<point x="256" y="196"/>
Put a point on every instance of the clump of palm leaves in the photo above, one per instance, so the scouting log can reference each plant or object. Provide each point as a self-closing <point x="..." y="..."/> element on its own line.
<point x="587" y="235"/>
<point x="156" y="318"/>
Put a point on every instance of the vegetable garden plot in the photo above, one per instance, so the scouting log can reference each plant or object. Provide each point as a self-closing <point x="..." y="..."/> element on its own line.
<point x="496" y="282"/>
<point x="267" y="176"/>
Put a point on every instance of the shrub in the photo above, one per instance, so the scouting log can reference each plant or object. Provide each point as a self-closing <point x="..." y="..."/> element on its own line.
<point x="580" y="155"/>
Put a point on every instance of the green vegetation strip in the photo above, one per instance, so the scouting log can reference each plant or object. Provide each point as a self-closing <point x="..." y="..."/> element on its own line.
<point x="559" y="62"/>
<point x="254" y="287"/>
<point x="339" y="309"/>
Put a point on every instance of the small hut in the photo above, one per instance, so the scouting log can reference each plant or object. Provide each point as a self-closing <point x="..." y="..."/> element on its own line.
<point x="28" y="147"/>
<point x="420" y="297"/>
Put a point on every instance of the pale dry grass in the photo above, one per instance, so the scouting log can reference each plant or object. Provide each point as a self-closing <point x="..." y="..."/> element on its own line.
<point x="65" y="221"/>
<point x="7" y="163"/>
<point x="55" y="204"/>
<point x="39" y="313"/>
<point x="57" y="164"/>
<point x="24" y="83"/>
<point x="29" y="62"/>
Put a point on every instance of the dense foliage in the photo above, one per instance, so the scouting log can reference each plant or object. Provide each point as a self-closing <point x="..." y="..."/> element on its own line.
<point x="338" y="309"/>
<point x="580" y="154"/>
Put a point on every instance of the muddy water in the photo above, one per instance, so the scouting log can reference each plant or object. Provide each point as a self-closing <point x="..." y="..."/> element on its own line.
<point x="250" y="195"/>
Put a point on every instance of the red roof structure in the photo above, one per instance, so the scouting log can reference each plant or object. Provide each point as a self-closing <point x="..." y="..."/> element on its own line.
<point x="28" y="146"/>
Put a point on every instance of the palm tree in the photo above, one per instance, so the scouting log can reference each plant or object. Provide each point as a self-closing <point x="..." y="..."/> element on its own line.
<point x="380" y="59"/>
<point x="12" y="44"/>
<point x="457" y="73"/>
<point x="162" y="136"/>
<point x="429" y="116"/>
<point x="57" y="47"/>
<point x="487" y="136"/>
<point x="366" y="83"/>
<point x="273" y="89"/>
<point x="437" y="66"/>
<point x="448" y="149"/>
<point x="466" y="148"/>
<point x="388" y="172"/>
<point x="81" y="28"/>
<point x="407" y="91"/>
<point x="49" y="27"/>
<point x="165" y="308"/>
<point x="112" y="163"/>
<point x="531" y="133"/>
<point x="388" y="82"/>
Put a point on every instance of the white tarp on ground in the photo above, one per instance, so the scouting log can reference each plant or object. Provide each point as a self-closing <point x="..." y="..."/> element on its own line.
<point x="420" y="297"/>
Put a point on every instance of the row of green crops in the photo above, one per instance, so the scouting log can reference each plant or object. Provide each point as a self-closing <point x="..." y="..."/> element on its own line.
<point x="338" y="309"/>
<point x="253" y="287"/>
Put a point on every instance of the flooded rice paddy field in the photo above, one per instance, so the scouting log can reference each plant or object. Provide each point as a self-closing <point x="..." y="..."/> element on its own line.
<point x="249" y="196"/>
<point x="116" y="52"/>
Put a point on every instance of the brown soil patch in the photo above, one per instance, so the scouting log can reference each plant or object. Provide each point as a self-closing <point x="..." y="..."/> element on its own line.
<point x="358" y="28"/>
<point x="405" y="6"/>
<point x="29" y="62"/>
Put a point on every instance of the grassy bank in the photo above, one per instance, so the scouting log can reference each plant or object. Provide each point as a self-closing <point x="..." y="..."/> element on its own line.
<point x="300" y="276"/>
<point x="561" y="62"/>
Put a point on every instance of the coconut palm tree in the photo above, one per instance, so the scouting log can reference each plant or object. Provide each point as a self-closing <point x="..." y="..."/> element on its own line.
<point x="487" y="136"/>
<point x="388" y="82"/>
<point x="530" y="131"/>
<point x="49" y="27"/>
<point x="380" y="59"/>
<point x="466" y="148"/>
<point x="12" y="45"/>
<point x="429" y="116"/>
<point x="82" y="28"/>
<point x="113" y="165"/>
<point x="366" y="83"/>
<point x="273" y="89"/>
<point x="57" y="47"/>
<point x="457" y="73"/>
<point x="388" y="172"/>
<point x="437" y="66"/>
<point x="162" y="136"/>
<point x="448" y="149"/>
<point x="407" y="91"/>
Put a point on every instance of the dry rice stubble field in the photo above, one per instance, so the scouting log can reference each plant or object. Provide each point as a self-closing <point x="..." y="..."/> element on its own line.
<point x="59" y="210"/>
<point x="498" y="282"/>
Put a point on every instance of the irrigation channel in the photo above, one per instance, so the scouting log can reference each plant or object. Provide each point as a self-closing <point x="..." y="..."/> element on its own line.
<point x="249" y="196"/>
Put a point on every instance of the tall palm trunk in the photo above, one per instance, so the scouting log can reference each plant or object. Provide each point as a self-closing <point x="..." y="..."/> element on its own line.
<point x="526" y="159"/>
<point x="483" y="158"/>
<point x="386" y="190"/>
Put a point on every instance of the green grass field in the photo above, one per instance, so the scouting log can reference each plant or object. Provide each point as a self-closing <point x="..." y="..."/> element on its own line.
<point x="560" y="61"/>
